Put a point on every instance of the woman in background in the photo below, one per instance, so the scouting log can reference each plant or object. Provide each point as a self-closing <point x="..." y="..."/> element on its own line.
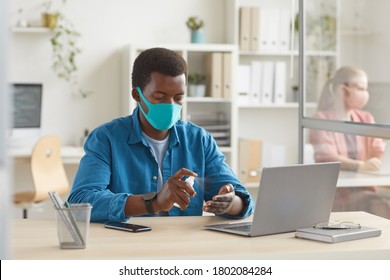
<point x="343" y="98"/>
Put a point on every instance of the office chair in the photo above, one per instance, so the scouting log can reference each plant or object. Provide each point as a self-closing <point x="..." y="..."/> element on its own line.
<point x="48" y="173"/>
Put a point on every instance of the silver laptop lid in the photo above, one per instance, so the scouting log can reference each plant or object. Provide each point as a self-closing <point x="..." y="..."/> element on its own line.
<point x="294" y="196"/>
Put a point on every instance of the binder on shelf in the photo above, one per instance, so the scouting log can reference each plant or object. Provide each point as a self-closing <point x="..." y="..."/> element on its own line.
<point x="273" y="25"/>
<point x="280" y="82"/>
<point x="267" y="82"/>
<point x="255" y="28"/>
<point x="214" y="74"/>
<point x="337" y="235"/>
<point x="265" y="30"/>
<point x="250" y="160"/>
<point x="227" y="75"/>
<point x="245" y="26"/>
<point x="244" y="83"/>
<point x="284" y="30"/>
<point x="67" y="218"/>
<point x="256" y="82"/>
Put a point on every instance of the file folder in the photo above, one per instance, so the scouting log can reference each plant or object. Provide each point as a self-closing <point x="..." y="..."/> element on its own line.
<point x="256" y="82"/>
<point x="214" y="74"/>
<point x="250" y="160"/>
<point x="280" y="82"/>
<point x="244" y="83"/>
<point x="255" y="29"/>
<point x="284" y="30"/>
<point x="227" y="75"/>
<point x="245" y="26"/>
<point x="267" y="82"/>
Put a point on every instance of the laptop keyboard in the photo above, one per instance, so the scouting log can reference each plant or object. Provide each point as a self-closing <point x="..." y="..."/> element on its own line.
<point x="245" y="228"/>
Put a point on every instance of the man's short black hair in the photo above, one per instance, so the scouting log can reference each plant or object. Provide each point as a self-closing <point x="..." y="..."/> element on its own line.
<point x="159" y="60"/>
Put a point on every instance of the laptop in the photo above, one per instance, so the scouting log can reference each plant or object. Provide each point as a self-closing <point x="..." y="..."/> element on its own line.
<point x="289" y="198"/>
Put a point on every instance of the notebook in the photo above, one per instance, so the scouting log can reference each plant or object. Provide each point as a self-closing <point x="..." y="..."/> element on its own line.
<point x="337" y="235"/>
<point x="289" y="198"/>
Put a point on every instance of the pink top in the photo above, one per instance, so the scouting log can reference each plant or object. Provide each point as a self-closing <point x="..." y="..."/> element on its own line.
<point x="329" y="145"/>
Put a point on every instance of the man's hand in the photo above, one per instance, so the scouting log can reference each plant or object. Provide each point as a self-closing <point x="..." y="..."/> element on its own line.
<point x="176" y="191"/>
<point x="225" y="202"/>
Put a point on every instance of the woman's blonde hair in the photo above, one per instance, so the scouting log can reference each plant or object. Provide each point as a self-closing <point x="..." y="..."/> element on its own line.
<point x="343" y="75"/>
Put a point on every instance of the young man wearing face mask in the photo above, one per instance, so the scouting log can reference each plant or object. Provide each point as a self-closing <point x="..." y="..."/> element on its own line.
<point x="343" y="98"/>
<point x="135" y="165"/>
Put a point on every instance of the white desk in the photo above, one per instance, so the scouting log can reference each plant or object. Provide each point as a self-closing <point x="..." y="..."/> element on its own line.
<point x="186" y="238"/>
<point x="70" y="154"/>
<point x="355" y="179"/>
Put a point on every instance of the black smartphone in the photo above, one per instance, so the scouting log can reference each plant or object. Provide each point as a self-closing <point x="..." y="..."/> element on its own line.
<point x="126" y="226"/>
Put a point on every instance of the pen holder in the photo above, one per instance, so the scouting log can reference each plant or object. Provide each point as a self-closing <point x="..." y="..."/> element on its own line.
<point x="73" y="225"/>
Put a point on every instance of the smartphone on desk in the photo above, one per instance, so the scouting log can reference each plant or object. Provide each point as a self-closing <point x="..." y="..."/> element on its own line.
<point x="127" y="227"/>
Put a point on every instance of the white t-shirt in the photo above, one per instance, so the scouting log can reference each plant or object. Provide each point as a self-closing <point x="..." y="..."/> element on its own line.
<point x="159" y="148"/>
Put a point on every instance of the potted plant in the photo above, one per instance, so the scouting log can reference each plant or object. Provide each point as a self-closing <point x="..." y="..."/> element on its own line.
<point x="50" y="14"/>
<point x="196" y="85"/>
<point x="295" y="93"/>
<point x="64" y="42"/>
<point x="296" y="32"/>
<point x="195" y="25"/>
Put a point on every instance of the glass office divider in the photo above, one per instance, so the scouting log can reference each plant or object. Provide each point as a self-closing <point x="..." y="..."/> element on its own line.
<point x="345" y="92"/>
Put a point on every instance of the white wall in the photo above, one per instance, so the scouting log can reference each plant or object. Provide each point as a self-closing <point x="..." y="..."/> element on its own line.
<point x="368" y="48"/>
<point x="365" y="49"/>
<point x="106" y="26"/>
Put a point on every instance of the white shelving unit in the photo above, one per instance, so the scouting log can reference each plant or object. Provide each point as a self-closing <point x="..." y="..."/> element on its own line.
<point x="274" y="123"/>
<point x="194" y="54"/>
<point x="30" y="30"/>
<point x="287" y="105"/>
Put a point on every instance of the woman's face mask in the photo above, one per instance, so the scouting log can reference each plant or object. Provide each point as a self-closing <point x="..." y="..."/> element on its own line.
<point x="161" y="116"/>
<point x="357" y="94"/>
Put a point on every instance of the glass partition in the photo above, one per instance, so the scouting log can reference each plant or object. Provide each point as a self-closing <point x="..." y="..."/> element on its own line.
<point x="346" y="63"/>
<point x="345" y="97"/>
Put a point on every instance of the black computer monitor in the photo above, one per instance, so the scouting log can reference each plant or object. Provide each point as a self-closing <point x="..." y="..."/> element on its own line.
<point x="27" y="113"/>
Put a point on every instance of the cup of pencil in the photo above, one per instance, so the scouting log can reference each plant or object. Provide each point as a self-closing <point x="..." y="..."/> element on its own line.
<point x="73" y="225"/>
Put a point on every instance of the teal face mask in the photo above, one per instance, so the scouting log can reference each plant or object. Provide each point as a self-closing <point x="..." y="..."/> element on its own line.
<point x="160" y="116"/>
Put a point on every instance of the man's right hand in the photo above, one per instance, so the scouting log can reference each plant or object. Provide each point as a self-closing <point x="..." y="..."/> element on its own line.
<point x="176" y="191"/>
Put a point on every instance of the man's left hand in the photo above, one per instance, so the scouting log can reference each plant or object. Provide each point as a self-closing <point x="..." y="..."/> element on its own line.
<point x="222" y="202"/>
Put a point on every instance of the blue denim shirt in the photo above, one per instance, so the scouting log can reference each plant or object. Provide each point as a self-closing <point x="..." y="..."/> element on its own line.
<point x="118" y="162"/>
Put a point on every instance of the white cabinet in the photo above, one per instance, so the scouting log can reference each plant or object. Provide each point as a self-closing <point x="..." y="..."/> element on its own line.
<point x="217" y="111"/>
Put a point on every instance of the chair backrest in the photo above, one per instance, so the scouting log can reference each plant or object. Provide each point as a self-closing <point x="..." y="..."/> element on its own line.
<point x="47" y="169"/>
